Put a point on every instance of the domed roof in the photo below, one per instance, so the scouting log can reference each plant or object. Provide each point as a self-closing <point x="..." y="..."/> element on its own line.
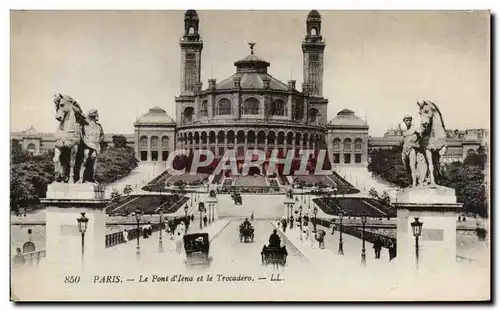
<point x="313" y="15"/>
<point x="252" y="74"/>
<point x="31" y="131"/>
<point x="155" y="115"/>
<point x="347" y="117"/>
<point x="191" y="13"/>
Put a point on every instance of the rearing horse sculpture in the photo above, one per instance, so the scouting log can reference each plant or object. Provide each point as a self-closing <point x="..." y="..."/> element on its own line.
<point x="67" y="137"/>
<point x="433" y="139"/>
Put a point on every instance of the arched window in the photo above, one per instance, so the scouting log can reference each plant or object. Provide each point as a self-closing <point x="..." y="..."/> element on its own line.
<point x="191" y="31"/>
<point x="299" y="111"/>
<point x="164" y="142"/>
<point x="289" y="138"/>
<point x="336" y="144"/>
<point x="469" y="152"/>
<point x="314" y="32"/>
<point x="278" y="108"/>
<point x="251" y="106"/>
<point x="313" y="115"/>
<point x="251" y="137"/>
<point x="223" y="107"/>
<point x="204" y="109"/>
<point x="143" y="142"/>
<point x="188" y="115"/>
<point x="358" y="144"/>
<point x="347" y="144"/>
<point x="154" y="142"/>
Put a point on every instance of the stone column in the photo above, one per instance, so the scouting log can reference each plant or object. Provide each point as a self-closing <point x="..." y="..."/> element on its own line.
<point x="149" y="148"/>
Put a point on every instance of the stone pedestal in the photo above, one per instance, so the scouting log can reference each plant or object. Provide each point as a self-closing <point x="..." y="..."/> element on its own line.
<point x="64" y="205"/>
<point x="436" y="208"/>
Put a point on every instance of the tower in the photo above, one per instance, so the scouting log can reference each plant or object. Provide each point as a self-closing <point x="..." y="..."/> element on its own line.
<point x="313" y="48"/>
<point x="191" y="46"/>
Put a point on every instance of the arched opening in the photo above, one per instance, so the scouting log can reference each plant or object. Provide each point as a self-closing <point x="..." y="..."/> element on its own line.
<point x="230" y="137"/>
<point x="347" y="144"/>
<point x="289" y="138"/>
<point x="471" y="152"/>
<point x="240" y="137"/>
<point x="191" y="30"/>
<point x="211" y="137"/>
<point x="251" y="106"/>
<point x="313" y="115"/>
<point x="306" y="139"/>
<point x="314" y="32"/>
<point x="281" y="138"/>
<point x="188" y="115"/>
<point x="336" y="144"/>
<point x="271" y="136"/>
<point x="261" y="137"/>
<point x="278" y="107"/>
<point x="197" y="138"/>
<point x="204" y="109"/>
<point x="164" y="142"/>
<point x="143" y="142"/>
<point x="221" y="136"/>
<point x="223" y="107"/>
<point x="358" y="144"/>
<point x="203" y="137"/>
<point x="251" y="137"/>
<point x="298" y="139"/>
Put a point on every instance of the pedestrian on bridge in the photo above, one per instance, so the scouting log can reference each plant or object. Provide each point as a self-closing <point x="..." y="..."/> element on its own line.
<point x="377" y="246"/>
<point x="125" y="235"/>
<point x="205" y="220"/>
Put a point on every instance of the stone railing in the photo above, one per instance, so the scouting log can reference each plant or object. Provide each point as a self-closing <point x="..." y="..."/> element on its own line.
<point x="251" y="121"/>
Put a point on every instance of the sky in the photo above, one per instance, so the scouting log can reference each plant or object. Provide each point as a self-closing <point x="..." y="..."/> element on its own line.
<point x="376" y="63"/>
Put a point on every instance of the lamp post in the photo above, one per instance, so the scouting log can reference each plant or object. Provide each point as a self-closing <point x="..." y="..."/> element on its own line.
<point x="185" y="211"/>
<point x="213" y="212"/>
<point x="315" y="211"/>
<point x="416" y="227"/>
<point x="138" y="215"/>
<point x="201" y="207"/>
<point x="300" y="217"/>
<point x="82" y="226"/>
<point x="160" y="241"/>
<point x="209" y="211"/>
<point x="341" y="245"/>
<point x="363" y="250"/>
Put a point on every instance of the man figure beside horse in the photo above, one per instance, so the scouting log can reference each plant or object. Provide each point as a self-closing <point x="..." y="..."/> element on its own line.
<point x="423" y="146"/>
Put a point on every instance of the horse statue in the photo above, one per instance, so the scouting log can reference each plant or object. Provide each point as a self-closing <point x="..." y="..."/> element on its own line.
<point x="76" y="134"/>
<point x="432" y="142"/>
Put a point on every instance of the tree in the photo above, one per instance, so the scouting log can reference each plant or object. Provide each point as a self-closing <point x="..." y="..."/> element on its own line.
<point x="114" y="164"/>
<point x="119" y="141"/>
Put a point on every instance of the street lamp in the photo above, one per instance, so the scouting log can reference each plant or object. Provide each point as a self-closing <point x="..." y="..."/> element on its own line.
<point x="160" y="242"/>
<point x="213" y="211"/>
<point x="138" y="215"/>
<point x="300" y="217"/>
<point x="341" y="245"/>
<point x="185" y="211"/>
<point x="363" y="250"/>
<point x="82" y="226"/>
<point x="416" y="227"/>
<point x="201" y="207"/>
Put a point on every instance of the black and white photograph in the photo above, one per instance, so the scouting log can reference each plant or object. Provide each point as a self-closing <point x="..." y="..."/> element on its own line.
<point x="250" y="155"/>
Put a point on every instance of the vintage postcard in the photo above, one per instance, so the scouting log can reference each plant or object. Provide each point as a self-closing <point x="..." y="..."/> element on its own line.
<point x="204" y="155"/>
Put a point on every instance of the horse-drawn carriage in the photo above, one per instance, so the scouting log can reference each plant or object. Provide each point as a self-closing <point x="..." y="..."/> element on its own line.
<point x="274" y="255"/>
<point x="237" y="198"/>
<point x="246" y="233"/>
<point x="197" y="247"/>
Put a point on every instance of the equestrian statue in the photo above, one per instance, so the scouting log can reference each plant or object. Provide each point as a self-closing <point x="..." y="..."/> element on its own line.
<point x="424" y="145"/>
<point x="78" y="140"/>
